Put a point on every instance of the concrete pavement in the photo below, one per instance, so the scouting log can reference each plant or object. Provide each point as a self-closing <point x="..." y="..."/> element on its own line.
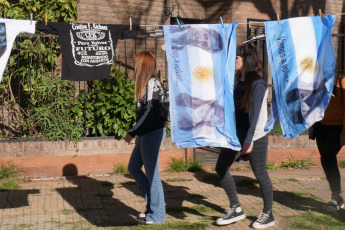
<point x="114" y="202"/>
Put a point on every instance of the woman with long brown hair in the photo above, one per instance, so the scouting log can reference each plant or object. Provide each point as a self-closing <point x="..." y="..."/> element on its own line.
<point x="149" y="132"/>
<point x="250" y="97"/>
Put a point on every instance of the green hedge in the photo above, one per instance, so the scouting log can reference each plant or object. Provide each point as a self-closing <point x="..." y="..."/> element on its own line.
<point x="48" y="107"/>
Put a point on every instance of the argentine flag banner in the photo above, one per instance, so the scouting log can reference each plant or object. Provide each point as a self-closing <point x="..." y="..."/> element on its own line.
<point x="201" y="62"/>
<point x="302" y="60"/>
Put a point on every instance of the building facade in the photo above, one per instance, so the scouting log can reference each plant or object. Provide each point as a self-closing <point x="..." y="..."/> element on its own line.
<point x="151" y="14"/>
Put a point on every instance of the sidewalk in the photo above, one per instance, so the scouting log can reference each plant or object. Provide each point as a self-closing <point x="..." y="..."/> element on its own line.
<point x="113" y="202"/>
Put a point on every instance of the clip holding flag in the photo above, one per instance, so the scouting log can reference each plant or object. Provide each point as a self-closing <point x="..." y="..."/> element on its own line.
<point x="320" y="13"/>
<point x="130" y="24"/>
<point x="278" y="19"/>
<point x="221" y="20"/>
<point x="179" y="24"/>
<point x="30" y="18"/>
<point x="46" y="19"/>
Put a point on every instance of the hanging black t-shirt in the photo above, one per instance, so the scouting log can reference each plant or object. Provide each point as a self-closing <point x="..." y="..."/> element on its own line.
<point x="87" y="49"/>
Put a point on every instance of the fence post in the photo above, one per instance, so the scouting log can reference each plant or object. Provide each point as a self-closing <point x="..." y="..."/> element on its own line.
<point x="186" y="156"/>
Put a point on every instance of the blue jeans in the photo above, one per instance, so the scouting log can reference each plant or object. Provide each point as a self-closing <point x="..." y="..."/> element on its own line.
<point x="146" y="152"/>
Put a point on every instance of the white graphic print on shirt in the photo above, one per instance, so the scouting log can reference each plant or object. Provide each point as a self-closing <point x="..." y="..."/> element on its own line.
<point x="10" y="29"/>
<point x="91" y="45"/>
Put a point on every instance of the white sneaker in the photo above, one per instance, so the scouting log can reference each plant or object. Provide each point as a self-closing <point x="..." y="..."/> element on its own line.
<point x="334" y="204"/>
<point x="233" y="214"/>
<point x="144" y="221"/>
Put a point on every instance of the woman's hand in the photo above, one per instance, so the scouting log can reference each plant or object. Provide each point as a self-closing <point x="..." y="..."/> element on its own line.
<point x="247" y="148"/>
<point x="128" y="138"/>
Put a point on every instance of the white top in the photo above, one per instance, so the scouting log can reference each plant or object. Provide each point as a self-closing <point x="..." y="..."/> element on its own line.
<point x="9" y="29"/>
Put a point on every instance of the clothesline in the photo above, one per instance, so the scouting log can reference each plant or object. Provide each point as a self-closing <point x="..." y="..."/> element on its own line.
<point x="241" y="23"/>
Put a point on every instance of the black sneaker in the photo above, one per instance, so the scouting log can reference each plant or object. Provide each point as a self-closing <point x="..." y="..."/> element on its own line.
<point x="233" y="214"/>
<point x="334" y="204"/>
<point x="265" y="220"/>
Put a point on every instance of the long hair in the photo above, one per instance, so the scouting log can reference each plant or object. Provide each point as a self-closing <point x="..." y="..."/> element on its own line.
<point x="251" y="70"/>
<point x="144" y="69"/>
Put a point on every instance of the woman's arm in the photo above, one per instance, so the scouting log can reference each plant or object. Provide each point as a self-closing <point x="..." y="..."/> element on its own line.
<point x="258" y="110"/>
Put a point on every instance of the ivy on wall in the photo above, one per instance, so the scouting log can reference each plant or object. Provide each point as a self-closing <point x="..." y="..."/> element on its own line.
<point x="39" y="104"/>
<point x="56" y="10"/>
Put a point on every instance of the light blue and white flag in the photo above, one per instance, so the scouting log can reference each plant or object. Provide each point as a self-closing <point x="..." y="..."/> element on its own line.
<point x="201" y="60"/>
<point x="302" y="60"/>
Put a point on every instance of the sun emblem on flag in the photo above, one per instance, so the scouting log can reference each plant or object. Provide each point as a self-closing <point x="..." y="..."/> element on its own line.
<point x="202" y="73"/>
<point x="307" y="64"/>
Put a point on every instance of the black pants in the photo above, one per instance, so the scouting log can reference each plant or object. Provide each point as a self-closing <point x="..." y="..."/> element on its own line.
<point x="328" y="143"/>
<point x="257" y="160"/>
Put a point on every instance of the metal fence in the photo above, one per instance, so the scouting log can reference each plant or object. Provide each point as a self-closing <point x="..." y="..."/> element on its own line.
<point x="16" y="86"/>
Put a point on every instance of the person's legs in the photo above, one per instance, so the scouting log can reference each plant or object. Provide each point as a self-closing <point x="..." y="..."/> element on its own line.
<point x="134" y="167"/>
<point x="328" y="143"/>
<point x="258" y="159"/>
<point x="149" y="146"/>
<point x="225" y="160"/>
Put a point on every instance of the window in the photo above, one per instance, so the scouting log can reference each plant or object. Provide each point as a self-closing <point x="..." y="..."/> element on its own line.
<point x="256" y="27"/>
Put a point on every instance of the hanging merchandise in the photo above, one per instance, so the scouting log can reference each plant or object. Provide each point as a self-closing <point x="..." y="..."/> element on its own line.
<point x="201" y="62"/>
<point x="88" y="49"/>
<point x="302" y="61"/>
<point x="9" y="29"/>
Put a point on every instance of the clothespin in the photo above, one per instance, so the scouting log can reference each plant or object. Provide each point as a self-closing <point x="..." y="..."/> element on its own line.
<point x="30" y="14"/>
<point x="221" y="20"/>
<point x="46" y="19"/>
<point x="278" y="19"/>
<point x="130" y="23"/>
<point x="178" y="22"/>
<point x="320" y="13"/>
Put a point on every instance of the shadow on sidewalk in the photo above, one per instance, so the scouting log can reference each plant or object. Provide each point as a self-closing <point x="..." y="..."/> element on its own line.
<point x="174" y="198"/>
<point x="305" y="202"/>
<point x="296" y="200"/>
<point x="94" y="201"/>
<point x="16" y="198"/>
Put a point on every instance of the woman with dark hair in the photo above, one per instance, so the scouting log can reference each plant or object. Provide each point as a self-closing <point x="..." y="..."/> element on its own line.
<point x="250" y="97"/>
<point x="149" y="132"/>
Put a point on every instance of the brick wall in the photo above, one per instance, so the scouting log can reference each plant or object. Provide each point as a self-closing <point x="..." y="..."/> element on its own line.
<point x="91" y="155"/>
<point x="97" y="156"/>
<point x="145" y="12"/>
<point x="240" y="11"/>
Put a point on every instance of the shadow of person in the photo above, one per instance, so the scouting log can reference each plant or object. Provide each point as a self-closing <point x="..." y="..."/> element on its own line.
<point x="176" y="195"/>
<point x="174" y="198"/>
<point x="305" y="202"/>
<point x="15" y="198"/>
<point x="296" y="200"/>
<point x="94" y="200"/>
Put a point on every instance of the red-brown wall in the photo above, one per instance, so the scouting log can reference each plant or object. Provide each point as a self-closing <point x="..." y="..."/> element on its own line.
<point x="97" y="156"/>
